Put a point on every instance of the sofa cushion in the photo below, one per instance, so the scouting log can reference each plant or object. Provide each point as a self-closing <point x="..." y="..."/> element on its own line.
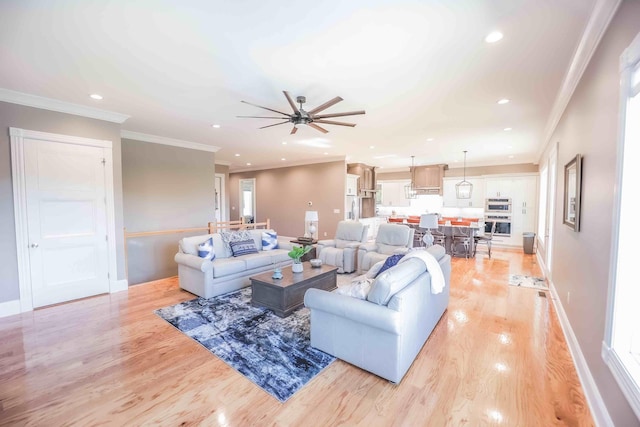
<point x="394" y="280"/>
<point x="205" y="249"/>
<point x="279" y="255"/>
<point x="257" y="260"/>
<point x="269" y="240"/>
<point x="358" y="288"/>
<point x="243" y="247"/>
<point x="393" y="234"/>
<point x="227" y="266"/>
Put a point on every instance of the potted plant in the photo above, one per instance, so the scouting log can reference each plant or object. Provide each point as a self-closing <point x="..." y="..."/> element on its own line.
<point x="296" y="254"/>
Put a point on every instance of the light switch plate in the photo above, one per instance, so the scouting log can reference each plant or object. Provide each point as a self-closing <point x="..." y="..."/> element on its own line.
<point x="336" y="211"/>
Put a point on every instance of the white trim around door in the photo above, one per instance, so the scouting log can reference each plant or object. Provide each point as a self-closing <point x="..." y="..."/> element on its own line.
<point x="18" y="137"/>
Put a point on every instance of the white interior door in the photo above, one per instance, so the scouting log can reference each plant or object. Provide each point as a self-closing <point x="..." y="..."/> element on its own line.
<point x="66" y="220"/>
<point x="220" y="212"/>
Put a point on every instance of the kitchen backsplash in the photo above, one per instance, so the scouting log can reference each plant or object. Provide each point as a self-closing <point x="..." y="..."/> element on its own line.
<point x="429" y="204"/>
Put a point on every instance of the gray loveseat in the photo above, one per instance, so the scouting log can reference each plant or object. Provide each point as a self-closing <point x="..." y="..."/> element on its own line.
<point x="384" y="333"/>
<point x="225" y="273"/>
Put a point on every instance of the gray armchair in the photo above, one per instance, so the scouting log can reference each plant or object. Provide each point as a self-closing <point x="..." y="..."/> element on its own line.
<point x="391" y="239"/>
<point x="342" y="251"/>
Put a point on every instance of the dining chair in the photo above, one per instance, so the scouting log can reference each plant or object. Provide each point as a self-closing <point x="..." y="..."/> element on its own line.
<point x="485" y="238"/>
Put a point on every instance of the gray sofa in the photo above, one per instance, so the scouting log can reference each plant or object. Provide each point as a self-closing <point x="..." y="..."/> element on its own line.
<point x="384" y="333"/>
<point x="225" y="273"/>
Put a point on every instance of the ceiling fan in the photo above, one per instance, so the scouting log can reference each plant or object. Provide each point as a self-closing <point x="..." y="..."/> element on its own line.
<point x="302" y="117"/>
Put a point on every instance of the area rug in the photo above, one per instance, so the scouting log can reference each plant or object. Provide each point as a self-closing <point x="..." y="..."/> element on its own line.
<point x="275" y="353"/>
<point x="527" y="281"/>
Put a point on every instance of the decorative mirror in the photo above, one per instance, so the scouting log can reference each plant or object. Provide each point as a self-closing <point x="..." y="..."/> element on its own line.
<point x="572" y="187"/>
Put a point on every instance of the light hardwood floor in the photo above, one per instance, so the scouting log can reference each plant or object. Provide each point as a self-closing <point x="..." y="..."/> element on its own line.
<point x="497" y="357"/>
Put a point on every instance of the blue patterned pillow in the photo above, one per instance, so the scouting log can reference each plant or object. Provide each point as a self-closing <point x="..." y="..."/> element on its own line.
<point x="269" y="240"/>
<point x="205" y="249"/>
<point x="243" y="247"/>
<point x="389" y="262"/>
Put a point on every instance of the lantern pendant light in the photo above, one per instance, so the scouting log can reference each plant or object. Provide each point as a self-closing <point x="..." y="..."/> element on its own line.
<point x="410" y="189"/>
<point x="464" y="188"/>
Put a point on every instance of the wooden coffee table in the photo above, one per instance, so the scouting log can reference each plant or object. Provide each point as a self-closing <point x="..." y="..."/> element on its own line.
<point x="286" y="295"/>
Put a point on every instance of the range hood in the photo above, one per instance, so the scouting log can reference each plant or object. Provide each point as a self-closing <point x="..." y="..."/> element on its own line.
<point x="428" y="179"/>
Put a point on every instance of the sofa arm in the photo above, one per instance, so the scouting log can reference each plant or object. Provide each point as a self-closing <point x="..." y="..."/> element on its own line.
<point x="193" y="261"/>
<point x="403" y="251"/>
<point x="327" y="242"/>
<point x="357" y="310"/>
<point x="368" y="247"/>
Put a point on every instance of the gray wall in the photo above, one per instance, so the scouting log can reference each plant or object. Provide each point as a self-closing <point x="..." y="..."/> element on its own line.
<point x="12" y="115"/>
<point x="282" y="195"/>
<point x="589" y="126"/>
<point x="165" y="188"/>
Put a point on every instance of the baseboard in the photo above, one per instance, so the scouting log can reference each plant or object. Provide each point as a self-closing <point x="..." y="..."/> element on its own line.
<point x="118" y="286"/>
<point x="598" y="409"/>
<point x="9" y="308"/>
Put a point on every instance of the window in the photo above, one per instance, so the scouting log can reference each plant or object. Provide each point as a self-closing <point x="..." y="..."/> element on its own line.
<point x="621" y="347"/>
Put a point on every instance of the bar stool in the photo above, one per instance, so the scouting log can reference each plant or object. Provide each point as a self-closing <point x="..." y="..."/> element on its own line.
<point x="485" y="238"/>
<point x="461" y="237"/>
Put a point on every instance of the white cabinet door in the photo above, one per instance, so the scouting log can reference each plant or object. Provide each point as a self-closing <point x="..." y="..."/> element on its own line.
<point x="393" y="194"/>
<point x="449" y="199"/>
<point x="499" y="187"/>
<point x="352" y="185"/>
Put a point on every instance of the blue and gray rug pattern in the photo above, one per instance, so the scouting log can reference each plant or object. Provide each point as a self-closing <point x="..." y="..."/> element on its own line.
<point x="275" y="353"/>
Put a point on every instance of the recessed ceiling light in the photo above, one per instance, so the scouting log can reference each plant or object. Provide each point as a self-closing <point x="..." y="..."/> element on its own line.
<point x="283" y="159"/>
<point x="284" y="142"/>
<point x="511" y="156"/>
<point x="96" y="96"/>
<point x="503" y="101"/>
<point x="493" y="37"/>
<point x="248" y="164"/>
<point x="325" y="153"/>
<point x="429" y="139"/>
<point x="215" y="126"/>
<point x="237" y="155"/>
<point x="372" y="147"/>
<point x="507" y="129"/>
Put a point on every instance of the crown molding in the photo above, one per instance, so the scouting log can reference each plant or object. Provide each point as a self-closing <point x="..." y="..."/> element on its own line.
<point x="155" y="139"/>
<point x="603" y="12"/>
<point x="324" y="159"/>
<point x="50" y="104"/>
<point x="223" y="163"/>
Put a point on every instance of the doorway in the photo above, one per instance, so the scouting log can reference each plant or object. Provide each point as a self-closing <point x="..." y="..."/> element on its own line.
<point x="65" y="224"/>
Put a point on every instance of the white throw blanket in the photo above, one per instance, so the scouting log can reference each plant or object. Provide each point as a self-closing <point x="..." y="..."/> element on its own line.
<point x="433" y="267"/>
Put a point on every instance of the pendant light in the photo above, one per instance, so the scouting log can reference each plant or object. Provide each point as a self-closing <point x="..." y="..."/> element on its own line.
<point x="410" y="189"/>
<point x="464" y="187"/>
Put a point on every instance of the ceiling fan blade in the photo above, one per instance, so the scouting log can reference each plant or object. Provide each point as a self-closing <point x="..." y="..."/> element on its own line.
<point x="326" y="105"/>
<point x="348" y="113"/>
<point x="293" y="104"/>
<point x="259" y="117"/>
<point x="331" y="122"/>
<point x="294" y="130"/>
<point x="316" y="127"/>
<point x="268" y="126"/>
<point x="270" y="109"/>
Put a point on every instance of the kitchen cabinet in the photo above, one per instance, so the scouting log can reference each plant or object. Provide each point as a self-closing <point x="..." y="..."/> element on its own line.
<point x="499" y="187"/>
<point x="393" y="194"/>
<point x="352" y="185"/>
<point x="524" y="205"/>
<point x="449" y="199"/>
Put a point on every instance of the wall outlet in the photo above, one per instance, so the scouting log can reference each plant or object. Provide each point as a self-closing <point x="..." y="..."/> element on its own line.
<point x="568" y="298"/>
<point x="325" y="234"/>
<point x="336" y="211"/>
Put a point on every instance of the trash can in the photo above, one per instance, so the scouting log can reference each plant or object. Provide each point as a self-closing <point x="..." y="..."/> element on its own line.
<point x="527" y="242"/>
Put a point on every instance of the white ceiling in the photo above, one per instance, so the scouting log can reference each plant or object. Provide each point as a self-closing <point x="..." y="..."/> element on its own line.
<point x="420" y="69"/>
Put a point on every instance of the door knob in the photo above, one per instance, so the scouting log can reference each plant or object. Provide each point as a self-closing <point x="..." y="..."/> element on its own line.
<point x="34" y="245"/>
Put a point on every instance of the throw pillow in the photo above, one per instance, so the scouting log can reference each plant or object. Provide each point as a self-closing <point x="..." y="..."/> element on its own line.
<point x="269" y="240"/>
<point x="389" y="262"/>
<point x="243" y="247"/>
<point x="205" y="250"/>
<point x="234" y="236"/>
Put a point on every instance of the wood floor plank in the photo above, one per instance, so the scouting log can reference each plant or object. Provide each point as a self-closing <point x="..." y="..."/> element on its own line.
<point x="497" y="357"/>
